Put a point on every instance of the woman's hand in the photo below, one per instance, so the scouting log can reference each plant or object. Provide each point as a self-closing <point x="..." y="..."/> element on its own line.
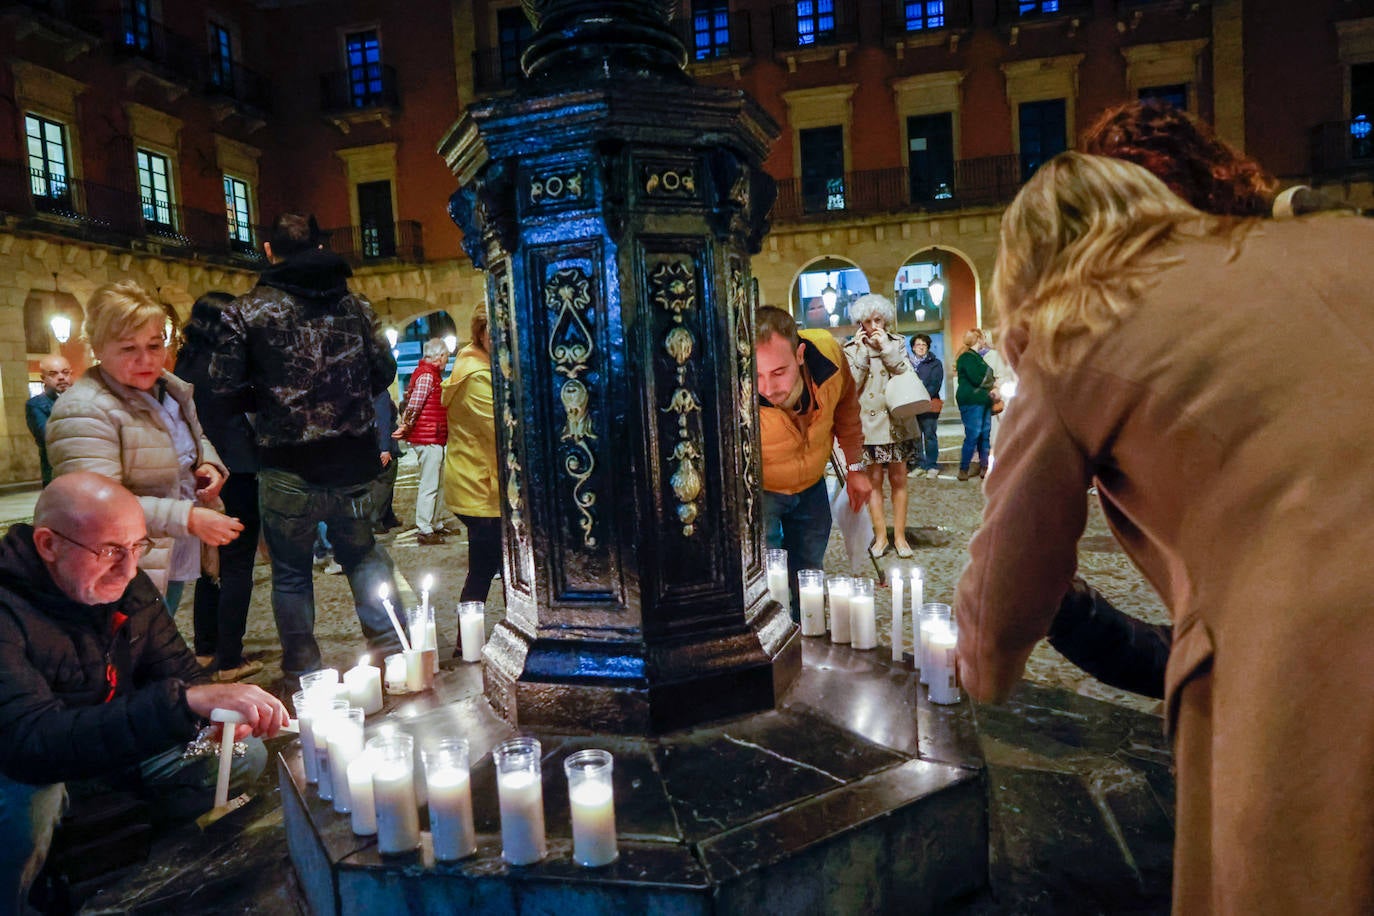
<point x="875" y="340"/>
<point x="213" y="528"/>
<point x="209" y="481"/>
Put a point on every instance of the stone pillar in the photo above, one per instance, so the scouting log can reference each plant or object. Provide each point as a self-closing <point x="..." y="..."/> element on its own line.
<point x="614" y="206"/>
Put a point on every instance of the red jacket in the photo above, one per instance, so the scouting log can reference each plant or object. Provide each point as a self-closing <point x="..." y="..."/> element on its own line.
<point x="427" y="418"/>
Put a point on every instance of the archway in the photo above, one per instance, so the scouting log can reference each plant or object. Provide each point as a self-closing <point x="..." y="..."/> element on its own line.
<point x="936" y="293"/>
<point x="823" y="290"/>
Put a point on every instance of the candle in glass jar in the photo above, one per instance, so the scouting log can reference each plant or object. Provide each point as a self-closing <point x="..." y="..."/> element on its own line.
<point x="811" y="591"/>
<point x="305" y="724"/>
<point x="328" y="709"/>
<point x="345" y="745"/>
<point x="450" y="799"/>
<point x="521" y="794"/>
<point x="362" y="809"/>
<point x="395" y="673"/>
<point x="419" y="668"/>
<point x="839" y="587"/>
<point x="393" y="793"/>
<point x="592" y="801"/>
<point x="776" y="564"/>
<point x="944" y="672"/>
<point x="932" y="614"/>
<point x="863" y="625"/>
<point x="364" y="683"/>
<point x="472" y="629"/>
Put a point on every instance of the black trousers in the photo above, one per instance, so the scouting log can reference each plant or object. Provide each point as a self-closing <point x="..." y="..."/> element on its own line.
<point x="221" y="608"/>
<point x="484" y="556"/>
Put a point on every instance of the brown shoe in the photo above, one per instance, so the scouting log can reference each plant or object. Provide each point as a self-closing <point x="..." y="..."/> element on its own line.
<point x="428" y="540"/>
<point x="982" y="470"/>
<point x="963" y="473"/>
<point x="229" y="675"/>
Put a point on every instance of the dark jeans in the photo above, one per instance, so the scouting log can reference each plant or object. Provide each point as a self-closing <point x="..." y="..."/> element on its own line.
<point x="484" y="556"/>
<point x="179" y="788"/>
<point x="800" y="524"/>
<point x="292" y="508"/>
<point x="930" y="442"/>
<point x="383" y="490"/>
<point x="977" y="433"/>
<point x="221" y="607"/>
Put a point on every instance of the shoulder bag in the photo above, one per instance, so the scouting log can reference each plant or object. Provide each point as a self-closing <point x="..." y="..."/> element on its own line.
<point x="906" y="396"/>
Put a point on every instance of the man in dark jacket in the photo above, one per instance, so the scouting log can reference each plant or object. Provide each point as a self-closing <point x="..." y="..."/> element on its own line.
<point x="95" y="681"/>
<point x="307" y="357"/>
<point x="56" y="374"/>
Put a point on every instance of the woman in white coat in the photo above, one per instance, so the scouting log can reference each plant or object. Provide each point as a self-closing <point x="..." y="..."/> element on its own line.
<point x="130" y="419"/>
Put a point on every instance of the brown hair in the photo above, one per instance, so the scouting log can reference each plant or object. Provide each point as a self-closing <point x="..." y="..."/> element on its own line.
<point x="118" y="310"/>
<point x="1186" y="155"/>
<point x="770" y="321"/>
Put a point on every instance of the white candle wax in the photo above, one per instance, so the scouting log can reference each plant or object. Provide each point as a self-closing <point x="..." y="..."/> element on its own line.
<point x="398" y="818"/>
<point x="419" y="670"/>
<point x="918" y="595"/>
<point x="863" y="625"/>
<point x="473" y="628"/>
<point x="944" y="676"/>
<point x="364" y="685"/>
<point x="927" y="623"/>
<point x="323" y="777"/>
<point x="395" y="673"/>
<point x="363" y="812"/>
<point x="432" y="642"/>
<point x="345" y="746"/>
<point x="839" y="615"/>
<point x="593" y="823"/>
<point x="777" y="587"/>
<point x="305" y="721"/>
<point x="522" y="817"/>
<point x="450" y="814"/>
<point x="898" y="626"/>
<point x="812" y="611"/>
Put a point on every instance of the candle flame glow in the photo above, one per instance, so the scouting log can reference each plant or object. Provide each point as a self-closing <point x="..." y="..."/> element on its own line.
<point x="362" y="661"/>
<point x="384" y="591"/>
<point x="427" y="582"/>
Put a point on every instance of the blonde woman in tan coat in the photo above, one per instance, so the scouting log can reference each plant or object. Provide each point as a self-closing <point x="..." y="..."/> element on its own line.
<point x="130" y="419"/>
<point x="1141" y="332"/>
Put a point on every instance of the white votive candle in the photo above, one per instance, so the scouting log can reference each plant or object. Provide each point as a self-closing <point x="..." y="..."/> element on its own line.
<point x="450" y="799"/>
<point x="776" y="563"/>
<point x="419" y="668"/>
<point x="811" y="592"/>
<point x="521" y="795"/>
<point x="364" y="683"/>
<point x="395" y="673"/>
<point x="362" y="809"/>
<point x="393" y="793"/>
<point x="592" y="801"/>
<point x="345" y="745"/>
<point x="898" y="630"/>
<point x="472" y="629"/>
<point x="839" y="587"/>
<point x="932" y="614"/>
<point x="863" y="625"/>
<point x="305" y="718"/>
<point x="944" y="672"/>
<point x="327" y="714"/>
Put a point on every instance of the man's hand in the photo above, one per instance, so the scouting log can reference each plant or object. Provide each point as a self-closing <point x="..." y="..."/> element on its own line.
<point x="859" y="487"/>
<point x="209" y="481"/>
<point x="385" y="458"/>
<point x="263" y="714"/>
<point x="400" y="432"/>
<point x="214" y="528"/>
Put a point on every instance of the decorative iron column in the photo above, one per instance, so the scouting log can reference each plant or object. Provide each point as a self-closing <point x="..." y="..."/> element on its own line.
<point x="614" y="204"/>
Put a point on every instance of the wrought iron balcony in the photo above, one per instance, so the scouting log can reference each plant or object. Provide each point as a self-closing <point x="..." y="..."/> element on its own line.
<point x="359" y="88"/>
<point x="1342" y="148"/>
<point x="119" y="216"/>
<point x="987" y="181"/>
<point x="813" y="24"/>
<point x="230" y="79"/>
<point x="373" y="242"/>
<point x="171" y="56"/>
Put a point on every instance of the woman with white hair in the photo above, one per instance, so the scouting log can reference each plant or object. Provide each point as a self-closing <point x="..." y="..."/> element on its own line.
<point x="1141" y="331"/>
<point x="876" y="354"/>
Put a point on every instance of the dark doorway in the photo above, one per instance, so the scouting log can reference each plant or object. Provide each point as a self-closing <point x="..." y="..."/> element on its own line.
<point x="1043" y="131"/>
<point x="376" y="225"/>
<point x="930" y="157"/>
<point x="822" y="168"/>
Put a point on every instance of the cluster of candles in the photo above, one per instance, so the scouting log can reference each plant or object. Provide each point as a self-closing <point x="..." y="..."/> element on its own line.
<point x="852" y="619"/>
<point x="381" y="784"/>
<point x="414" y="667"/>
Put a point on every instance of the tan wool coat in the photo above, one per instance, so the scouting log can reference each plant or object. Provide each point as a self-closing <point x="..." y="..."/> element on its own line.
<point x="104" y="427"/>
<point x="1226" y="423"/>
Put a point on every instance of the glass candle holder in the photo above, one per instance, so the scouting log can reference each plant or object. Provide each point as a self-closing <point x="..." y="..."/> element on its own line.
<point x="322" y="676"/>
<point x="863" y="624"/>
<point x="840" y="588"/>
<point x="518" y="783"/>
<point x="345" y="744"/>
<point x="932" y="612"/>
<point x="393" y="792"/>
<point x="327" y="711"/>
<point x="775" y="561"/>
<point x="942" y="650"/>
<point x="394" y="672"/>
<point x="362" y="808"/>
<point x="592" y="800"/>
<point x="305" y="718"/>
<point x="811" y="595"/>
<point x="450" y="799"/>
<point x="472" y="629"/>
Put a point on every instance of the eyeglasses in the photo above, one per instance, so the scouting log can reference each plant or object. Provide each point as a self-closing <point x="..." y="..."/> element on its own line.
<point x="112" y="553"/>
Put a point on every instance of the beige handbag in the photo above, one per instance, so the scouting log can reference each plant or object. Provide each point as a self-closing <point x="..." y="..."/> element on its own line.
<point x="906" y="396"/>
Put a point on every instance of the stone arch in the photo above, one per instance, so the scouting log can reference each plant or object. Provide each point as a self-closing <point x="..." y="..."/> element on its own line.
<point x="804" y="298"/>
<point x="960" y="309"/>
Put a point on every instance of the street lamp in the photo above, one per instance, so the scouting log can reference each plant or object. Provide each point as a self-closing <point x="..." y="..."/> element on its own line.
<point x="451" y="341"/>
<point x="828" y="297"/>
<point x="936" y="290"/>
<point x="61" y="328"/>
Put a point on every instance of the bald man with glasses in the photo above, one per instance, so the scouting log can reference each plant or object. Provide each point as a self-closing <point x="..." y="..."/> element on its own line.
<point x="96" y="684"/>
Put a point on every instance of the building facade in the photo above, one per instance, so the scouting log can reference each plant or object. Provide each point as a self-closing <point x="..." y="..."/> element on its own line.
<point x="152" y="139"/>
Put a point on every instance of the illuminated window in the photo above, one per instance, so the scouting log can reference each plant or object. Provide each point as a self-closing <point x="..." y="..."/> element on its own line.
<point x="155" y="190"/>
<point x="924" y="14"/>
<point x="47" y="143"/>
<point x="710" y="29"/>
<point x="815" y="21"/>
<point x="363" y="53"/>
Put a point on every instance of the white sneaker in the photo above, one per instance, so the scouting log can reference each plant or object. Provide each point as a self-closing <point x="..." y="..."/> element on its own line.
<point x="334" y="568"/>
<point x="933" y="473"/>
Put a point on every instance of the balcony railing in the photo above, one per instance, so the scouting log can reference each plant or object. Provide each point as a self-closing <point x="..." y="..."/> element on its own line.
<point x="357" y="88"/>
<point x="829" y="23"/>
<point x="986" y="181"/>
<point x="231" y="79"/>
<point x="492" y="72"/>
<point x="142" y="38"/>
<point x="1340" y="148"/>
<point x="371" y="242"/>
<point x="112" y="215"/>
<point x="900" y="22"/>
<point x="732" y="39"/>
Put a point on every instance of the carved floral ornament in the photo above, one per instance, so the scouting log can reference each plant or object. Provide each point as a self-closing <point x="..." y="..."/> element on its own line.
<point x="672" y="181"/>
<point x="554" y="187"/>
<point x="744" y="351"/>
<point x="673" y="288"/>
<point x="513" y="468"/>
<point x="567" y="293"/>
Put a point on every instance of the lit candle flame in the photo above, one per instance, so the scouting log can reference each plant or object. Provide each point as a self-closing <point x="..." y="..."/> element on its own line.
<point x="426" y="582"/>
<point x="384" y="591"/>
<point x="362" y="661"/>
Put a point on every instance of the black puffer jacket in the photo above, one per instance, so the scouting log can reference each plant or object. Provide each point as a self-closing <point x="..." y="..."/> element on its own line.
<point x="307" y="356"/>
<point x="62" y="715"/>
